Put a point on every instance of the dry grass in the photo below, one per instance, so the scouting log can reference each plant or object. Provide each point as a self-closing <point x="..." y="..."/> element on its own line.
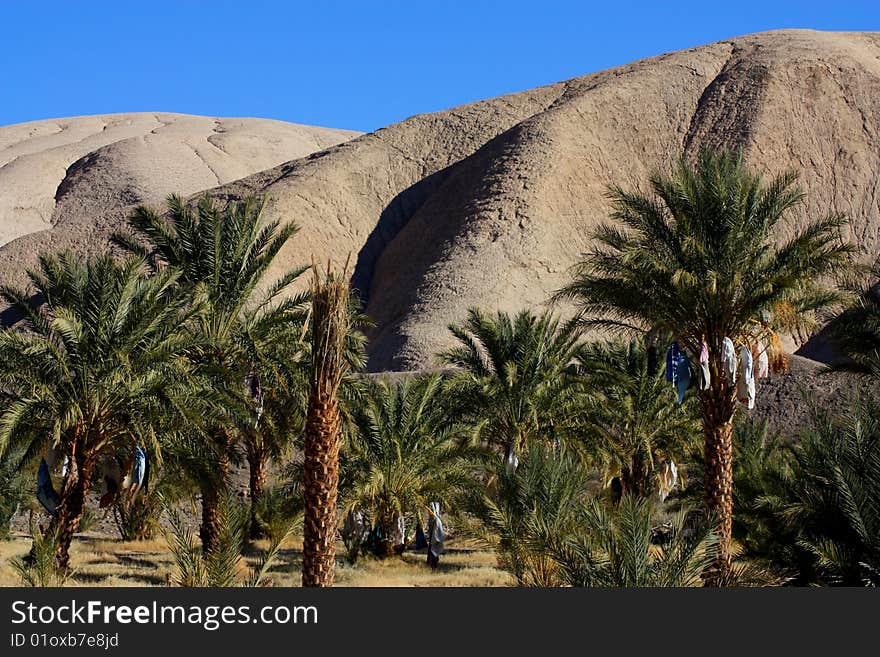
<point x="102" y="561"/>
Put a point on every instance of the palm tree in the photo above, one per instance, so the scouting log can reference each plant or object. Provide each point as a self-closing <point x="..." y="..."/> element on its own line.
<point x="702" y="260"/>
<point x="857" y="333"/>
<point x="275" y="428"/>
<point x="331" y="326"/>
<point x="616" y="548"/>
<point x="222" y="566"/>
<point x="631" y="421"/>
<point x="832" y="497"/>
<point x="550" y="531"/>
<point x="98" y="362"/>
<point x="526" y="513"/>
<point x="404" y="454"/>
<point x="223" y="258"/>
<point x="518" y="381"/>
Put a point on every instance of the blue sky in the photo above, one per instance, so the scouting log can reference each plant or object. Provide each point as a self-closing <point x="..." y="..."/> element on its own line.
<point x="358" y="65"/>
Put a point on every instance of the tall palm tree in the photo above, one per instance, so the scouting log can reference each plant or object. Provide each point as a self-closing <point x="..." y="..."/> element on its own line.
<point x="97" y="363"/>
<point x="631" y="422"/>
<point x="331" y="326"/>
<point x="404" y="454"/>
<point x="709" y="256"/>
<point x="518" y="381"/>
<point x="223" y="257"/>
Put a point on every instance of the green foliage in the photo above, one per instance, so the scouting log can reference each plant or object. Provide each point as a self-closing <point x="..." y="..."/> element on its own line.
<point x="549" y="530"/>
<point x="762" y="463"/>
<point x="525" y="514"/>
<point x="405" y="452"/>
<point x="40" y="568"/>
<point x="278" y="510"/>
<point x="833" y="496"/>
<point x="631" y="421"/>
<point x="226" y="252"/>
<point x="518" y="382"/>
<point x="222" y="566"/>
<point x="222" y="258"/>
<point x="137" y="516"/>
<point x="244" y="324"/>
<point x="97" y="363"/>
<point x="88" y="521"/>
<point x="856" y="332"/>
<point x="94" y="366"/>
<point x="810" y="509"/>
<point x="615" y="548"/>
<point x="699" y="258"/>
<point x="15" y="488"/>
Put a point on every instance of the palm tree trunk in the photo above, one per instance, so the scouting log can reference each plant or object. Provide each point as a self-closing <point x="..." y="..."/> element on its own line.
<point x="212" y="492"/>
<point x="257" y="483"/>
<point x="330" y="325"/>
<point x="72" y="500"/>
<point x="717" y="408"/>
<point x="633" y="476"/>
<point x="431" y="559"/>
<point x="388" y="523"/>
<point x="321" y="489"/>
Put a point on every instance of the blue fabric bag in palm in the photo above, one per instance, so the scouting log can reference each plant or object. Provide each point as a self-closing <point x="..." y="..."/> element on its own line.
<point x="45" y="491"/>
<point x="683" y="375"/>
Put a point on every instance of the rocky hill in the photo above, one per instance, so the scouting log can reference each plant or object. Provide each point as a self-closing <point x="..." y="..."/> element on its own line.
<point x="488" y="204"/>
<point x="63" y="181"/>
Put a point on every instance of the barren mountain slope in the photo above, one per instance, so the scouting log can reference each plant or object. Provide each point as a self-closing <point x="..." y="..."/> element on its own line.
<point x="75" y="171"/>
<point x="488" y="204"/>
<point x="508" y="223"/>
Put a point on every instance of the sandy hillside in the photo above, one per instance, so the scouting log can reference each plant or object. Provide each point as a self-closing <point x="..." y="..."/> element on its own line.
<point x="488" y="204"/>
<point x="76" y="170"/>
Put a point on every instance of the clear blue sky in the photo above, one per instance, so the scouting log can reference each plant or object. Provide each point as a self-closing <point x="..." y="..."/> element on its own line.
<point x="358" y="65"/>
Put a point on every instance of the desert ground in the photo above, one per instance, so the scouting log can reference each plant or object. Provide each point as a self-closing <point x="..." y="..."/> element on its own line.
<point x="102" y="560"/>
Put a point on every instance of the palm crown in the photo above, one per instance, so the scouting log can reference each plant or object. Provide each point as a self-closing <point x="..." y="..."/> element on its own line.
<point x="700" y="258"/>
<point x="97" y="357"/>
<point x="517" y="376"/>
<point x="225" y="255"/>
<point x="98" y="365"/>
<point x="404" y="453"/>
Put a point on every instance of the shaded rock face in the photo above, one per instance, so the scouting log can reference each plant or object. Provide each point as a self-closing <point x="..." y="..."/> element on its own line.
<point x="489" y="204"/>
